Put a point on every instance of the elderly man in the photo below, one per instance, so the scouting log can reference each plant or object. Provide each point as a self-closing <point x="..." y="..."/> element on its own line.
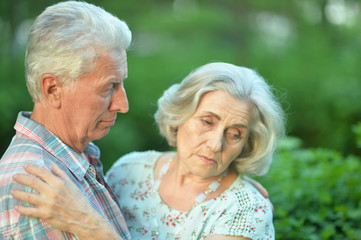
<point x="75" y="67"/>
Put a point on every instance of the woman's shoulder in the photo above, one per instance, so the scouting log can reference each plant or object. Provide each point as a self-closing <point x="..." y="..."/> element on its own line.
<point x="244" y="194"/>
<point x="147" y="158"/>
<point x="138" y="157"/>
<point x="245" y="212"/>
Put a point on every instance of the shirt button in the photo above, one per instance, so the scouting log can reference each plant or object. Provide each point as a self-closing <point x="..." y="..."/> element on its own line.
<point x="91" y="169"/>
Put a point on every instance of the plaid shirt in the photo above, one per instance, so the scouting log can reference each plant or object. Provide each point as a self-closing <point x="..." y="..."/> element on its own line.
<point x="33" y="144"/>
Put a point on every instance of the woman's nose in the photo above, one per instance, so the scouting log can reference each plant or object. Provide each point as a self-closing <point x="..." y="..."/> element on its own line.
<point x="215" y="141"/>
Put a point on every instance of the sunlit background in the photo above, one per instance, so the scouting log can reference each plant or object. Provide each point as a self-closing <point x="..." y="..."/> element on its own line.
<point x="308" y="50"/>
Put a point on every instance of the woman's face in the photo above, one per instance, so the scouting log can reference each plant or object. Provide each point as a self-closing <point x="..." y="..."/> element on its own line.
<point x="215" y="135"/>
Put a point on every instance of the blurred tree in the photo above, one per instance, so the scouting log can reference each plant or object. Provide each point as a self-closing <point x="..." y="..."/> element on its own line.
<point x="308" y="50"/>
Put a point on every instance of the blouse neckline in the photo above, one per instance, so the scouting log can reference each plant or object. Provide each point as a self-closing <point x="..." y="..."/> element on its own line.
<point x="156" y="183"/>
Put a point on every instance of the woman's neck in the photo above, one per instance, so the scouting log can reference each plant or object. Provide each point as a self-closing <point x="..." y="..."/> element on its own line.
<point x="179" y="187"/>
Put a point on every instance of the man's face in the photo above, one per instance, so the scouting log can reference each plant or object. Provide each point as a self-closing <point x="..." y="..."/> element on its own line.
<point x="90" y="106"/>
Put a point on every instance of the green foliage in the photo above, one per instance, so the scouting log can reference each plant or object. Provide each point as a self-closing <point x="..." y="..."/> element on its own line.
<point x="316" y="193"/>
<point x="357" y="131"/>
<point x="293" y="44"/>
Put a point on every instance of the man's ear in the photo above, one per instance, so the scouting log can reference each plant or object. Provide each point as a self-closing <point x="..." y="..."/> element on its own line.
<point x="51" y="89"/>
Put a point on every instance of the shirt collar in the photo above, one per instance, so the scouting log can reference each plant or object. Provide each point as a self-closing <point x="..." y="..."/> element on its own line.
<point x="55" y="146"/>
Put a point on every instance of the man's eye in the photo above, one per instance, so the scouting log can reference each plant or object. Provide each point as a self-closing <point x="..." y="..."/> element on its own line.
<point x="111" y="87"/>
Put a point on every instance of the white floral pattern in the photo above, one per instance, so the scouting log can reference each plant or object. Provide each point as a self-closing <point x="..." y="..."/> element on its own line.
<point x="240" y="211"/>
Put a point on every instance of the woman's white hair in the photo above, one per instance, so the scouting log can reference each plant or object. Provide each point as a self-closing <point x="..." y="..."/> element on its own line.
<point x="66" y="39"/>
<point x="179" y="102"/>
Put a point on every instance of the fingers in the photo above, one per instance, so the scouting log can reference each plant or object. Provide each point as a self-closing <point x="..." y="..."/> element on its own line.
<point x="258" y="186"/>
<point x="57" y="171"/>
<point x="28" y="211"/>
<point x="30" y="181"/>
<point x="41" y="172"/>
<point x="261" y="189"/>
<point x="273" y="208"/>
<point x="31" y="198"/>
<point x="50" y="188"/>
<point x="38" y="211"/>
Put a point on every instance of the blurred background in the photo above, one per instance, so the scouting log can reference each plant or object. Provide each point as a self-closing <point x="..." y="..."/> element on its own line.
<point x="308" y="50"/>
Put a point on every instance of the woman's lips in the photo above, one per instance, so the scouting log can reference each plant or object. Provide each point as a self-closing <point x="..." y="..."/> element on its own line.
<point x="208" y="161"/>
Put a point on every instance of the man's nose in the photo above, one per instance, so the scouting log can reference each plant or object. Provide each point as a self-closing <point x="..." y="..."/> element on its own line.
<point x="119" y="101"/>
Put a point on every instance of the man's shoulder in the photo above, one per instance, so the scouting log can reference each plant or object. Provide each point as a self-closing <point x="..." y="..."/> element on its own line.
<point x="22" y="148"/>
<point x="21" y="152"/>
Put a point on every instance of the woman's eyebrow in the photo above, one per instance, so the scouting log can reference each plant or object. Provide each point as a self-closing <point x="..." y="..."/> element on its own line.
<point x="213" y="114"/>
<point x="239" y="125"/>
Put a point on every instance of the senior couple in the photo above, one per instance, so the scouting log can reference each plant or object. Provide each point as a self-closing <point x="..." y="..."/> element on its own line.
<point x="223" y="120"/>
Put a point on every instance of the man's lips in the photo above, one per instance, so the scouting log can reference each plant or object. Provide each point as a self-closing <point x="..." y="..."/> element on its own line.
<point x="110" y="123"/>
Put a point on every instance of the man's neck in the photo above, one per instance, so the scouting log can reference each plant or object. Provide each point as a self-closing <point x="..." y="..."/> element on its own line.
<point x="53" y="121"/>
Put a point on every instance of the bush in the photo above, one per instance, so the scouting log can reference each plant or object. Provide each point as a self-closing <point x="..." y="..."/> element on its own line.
<point x="357" y="131"/>
<point x="316" y="193"/>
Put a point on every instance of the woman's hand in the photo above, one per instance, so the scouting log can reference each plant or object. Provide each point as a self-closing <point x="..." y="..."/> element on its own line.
<point x="260" y="189"/>
<point x="224" y="237"/>
<point x="60" y="203"/>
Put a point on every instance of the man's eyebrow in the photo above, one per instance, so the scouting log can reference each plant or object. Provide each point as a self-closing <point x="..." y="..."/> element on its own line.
<point x="115" y="81"/>
<point x="111" y="82"/>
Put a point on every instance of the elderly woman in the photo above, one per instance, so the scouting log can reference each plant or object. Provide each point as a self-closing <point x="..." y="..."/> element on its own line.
<point x="224" y="122"/>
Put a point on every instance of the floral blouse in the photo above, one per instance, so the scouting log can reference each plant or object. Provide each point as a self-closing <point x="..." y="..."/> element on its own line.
<point x="239" y="211"/>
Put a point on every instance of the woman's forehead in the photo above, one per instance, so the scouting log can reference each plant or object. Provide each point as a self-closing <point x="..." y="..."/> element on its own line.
<point x="225" y="107"/>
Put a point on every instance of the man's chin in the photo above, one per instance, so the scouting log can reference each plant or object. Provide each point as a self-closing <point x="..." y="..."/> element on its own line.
<point x="101" y="133"/>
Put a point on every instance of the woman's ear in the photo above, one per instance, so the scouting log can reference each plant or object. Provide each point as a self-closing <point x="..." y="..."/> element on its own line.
<point x="51" y="89"/>
<point x="174" y="129"/>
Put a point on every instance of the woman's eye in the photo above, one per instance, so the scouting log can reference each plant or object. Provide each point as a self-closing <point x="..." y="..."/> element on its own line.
<point x="207" y="122"/>
<point x="234" y="135"/>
